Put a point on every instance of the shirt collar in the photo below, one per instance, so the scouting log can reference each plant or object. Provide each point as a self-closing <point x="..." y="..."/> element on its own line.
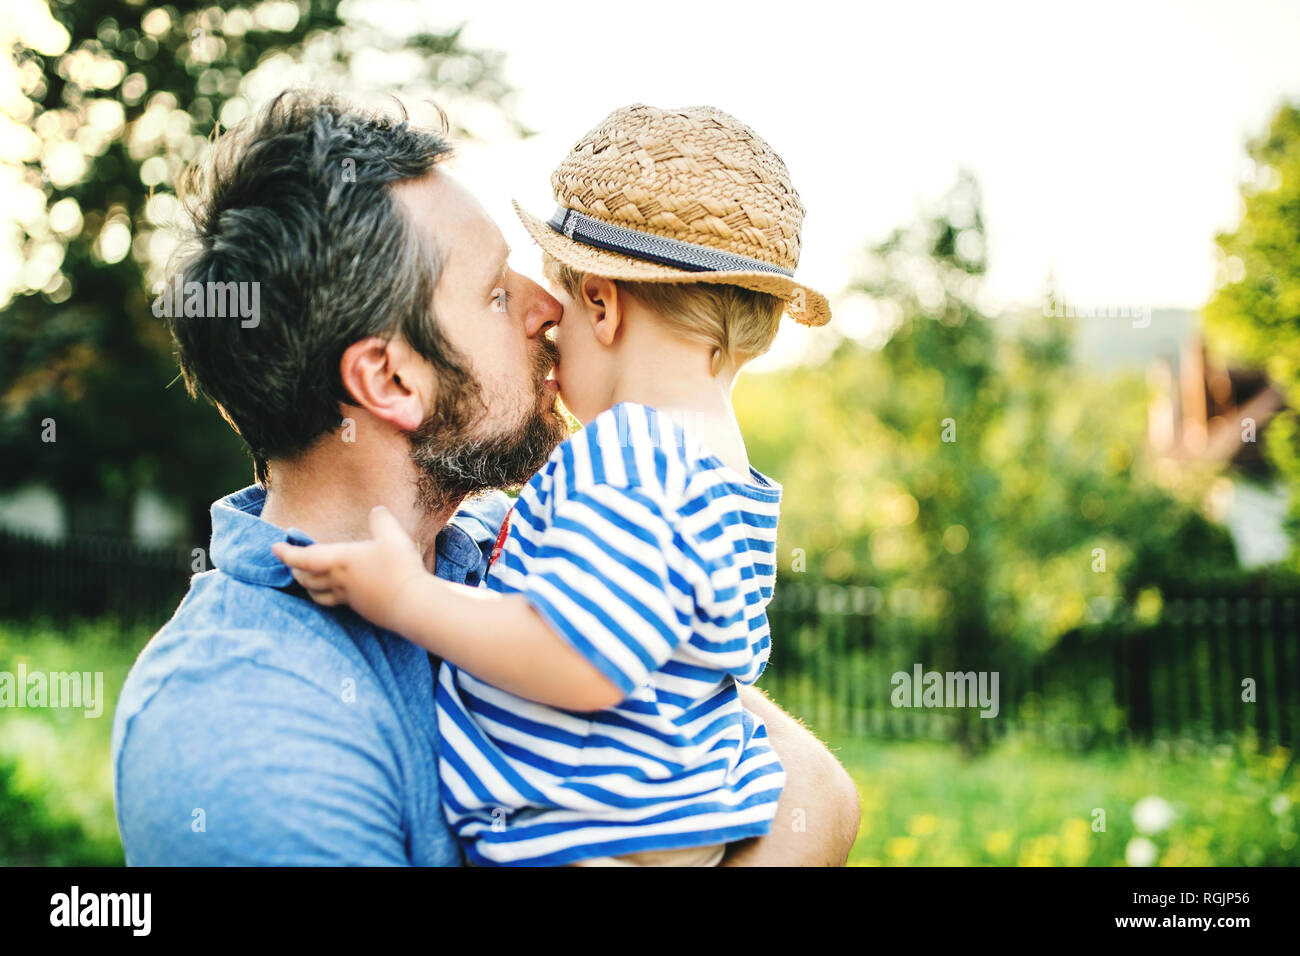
<point x="241" y="540"/>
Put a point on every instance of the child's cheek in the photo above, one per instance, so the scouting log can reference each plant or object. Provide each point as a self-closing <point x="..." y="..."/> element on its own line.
<point x="575" y="391"/>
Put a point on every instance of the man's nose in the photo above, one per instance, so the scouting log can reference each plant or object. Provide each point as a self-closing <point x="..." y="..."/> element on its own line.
<point x="544" y="311"/>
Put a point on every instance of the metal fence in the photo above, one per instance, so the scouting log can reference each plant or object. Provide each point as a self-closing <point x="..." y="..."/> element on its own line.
<point x="89" y="576"/>
<point x="1208" y="668"/>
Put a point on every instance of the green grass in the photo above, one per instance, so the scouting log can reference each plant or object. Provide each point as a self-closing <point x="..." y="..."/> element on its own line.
<point x="922" y="803"/>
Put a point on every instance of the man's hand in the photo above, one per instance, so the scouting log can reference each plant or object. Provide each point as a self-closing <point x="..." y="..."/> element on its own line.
<point x="818" y="813"/>
<point x="368" y="575"/>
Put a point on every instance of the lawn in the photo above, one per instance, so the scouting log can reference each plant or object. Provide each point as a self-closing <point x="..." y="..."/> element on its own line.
<point x="922" y="802"/>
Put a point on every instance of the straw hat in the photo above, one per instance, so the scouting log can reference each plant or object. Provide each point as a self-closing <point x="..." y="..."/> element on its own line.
<point x="688" y="195"/>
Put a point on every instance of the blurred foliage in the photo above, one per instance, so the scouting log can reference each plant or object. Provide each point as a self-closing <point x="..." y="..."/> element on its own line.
<point x="994" y="493"/>
<point x="31" y="836"/>
<point x="1255" y="312"/>
<point x="1025" y="806"/>
<point x="116" y="98"/>
<point x="56" y="782"/>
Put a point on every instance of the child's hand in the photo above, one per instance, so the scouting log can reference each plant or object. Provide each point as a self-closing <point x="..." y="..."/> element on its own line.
<point x="368" y="575"/>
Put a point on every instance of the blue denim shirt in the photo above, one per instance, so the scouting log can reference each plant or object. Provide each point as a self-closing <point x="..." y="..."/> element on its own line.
<point x="259" y="728"/>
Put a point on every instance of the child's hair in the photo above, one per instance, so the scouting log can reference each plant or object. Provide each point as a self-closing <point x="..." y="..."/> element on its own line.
<point x="740" y="324"/>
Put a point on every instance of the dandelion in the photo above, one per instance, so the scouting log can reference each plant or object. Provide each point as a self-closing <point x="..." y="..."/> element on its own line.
<point x="998" y="842"/>
<point x="1140" y="852"/>
<point x="923" y="825"/>
<point x="1038" y="851"/>
<point x="1076" y="841"/>
<point x="1152" y="814"/>
<point x="900" y="848"/>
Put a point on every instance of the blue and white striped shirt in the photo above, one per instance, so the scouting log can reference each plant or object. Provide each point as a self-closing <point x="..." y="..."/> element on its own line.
<point x="655" y="561"/>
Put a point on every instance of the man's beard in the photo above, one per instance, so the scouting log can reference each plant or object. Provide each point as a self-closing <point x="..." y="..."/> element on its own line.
<point x="453" y="459"/>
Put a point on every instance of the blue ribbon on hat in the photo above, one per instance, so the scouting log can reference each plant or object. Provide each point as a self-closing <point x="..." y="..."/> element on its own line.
<point x="643" y="245"/>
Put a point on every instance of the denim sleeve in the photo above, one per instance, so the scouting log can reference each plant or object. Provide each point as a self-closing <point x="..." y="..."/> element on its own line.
<point x="197" y="784"/>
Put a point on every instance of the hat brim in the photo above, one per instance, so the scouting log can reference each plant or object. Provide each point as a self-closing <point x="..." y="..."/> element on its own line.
<point x="802" y="304"/>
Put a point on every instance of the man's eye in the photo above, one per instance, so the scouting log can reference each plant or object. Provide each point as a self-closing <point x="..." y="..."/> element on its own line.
<point x="500" y="299"/>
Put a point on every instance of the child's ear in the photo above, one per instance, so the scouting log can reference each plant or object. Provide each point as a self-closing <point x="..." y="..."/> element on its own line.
<point x="605" y="304"/>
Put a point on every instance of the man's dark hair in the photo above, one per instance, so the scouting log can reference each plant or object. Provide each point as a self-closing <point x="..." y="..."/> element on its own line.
<point x="299" y="200"/>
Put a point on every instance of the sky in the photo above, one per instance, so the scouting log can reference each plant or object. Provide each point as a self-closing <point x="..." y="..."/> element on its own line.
<point x="1108" y="138"/>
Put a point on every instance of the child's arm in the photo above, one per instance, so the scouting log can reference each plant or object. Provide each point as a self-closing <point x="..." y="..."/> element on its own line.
<point x="498" y="638"/>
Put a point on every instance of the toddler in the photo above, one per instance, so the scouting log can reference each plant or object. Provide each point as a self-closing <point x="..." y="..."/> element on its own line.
<point x="588" y="706"/>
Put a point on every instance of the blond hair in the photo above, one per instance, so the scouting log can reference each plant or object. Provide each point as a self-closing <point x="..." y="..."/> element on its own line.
<point x="740" y="324"/>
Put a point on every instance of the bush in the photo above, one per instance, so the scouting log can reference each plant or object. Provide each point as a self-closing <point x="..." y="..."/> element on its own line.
<point x="56" y="796"/>
<point x="31" y="836"/>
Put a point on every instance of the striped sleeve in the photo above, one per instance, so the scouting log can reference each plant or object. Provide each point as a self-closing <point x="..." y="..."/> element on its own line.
<point x="614" y="575"/>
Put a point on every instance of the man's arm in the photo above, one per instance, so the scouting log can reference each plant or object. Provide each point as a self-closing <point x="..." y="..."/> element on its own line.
<point x="818" y="813"/>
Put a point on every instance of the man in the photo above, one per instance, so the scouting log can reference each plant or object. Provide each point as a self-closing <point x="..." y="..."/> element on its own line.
<point x="395" y="359"/>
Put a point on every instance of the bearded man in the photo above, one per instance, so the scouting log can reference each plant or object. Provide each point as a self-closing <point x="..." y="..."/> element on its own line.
<point x="397" y="360"/>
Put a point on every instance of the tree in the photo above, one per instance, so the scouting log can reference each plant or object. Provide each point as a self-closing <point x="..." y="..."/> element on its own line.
<point x="118" y="96"/>
<point x="1255" y="311"/>
<point x="996" y="495"/>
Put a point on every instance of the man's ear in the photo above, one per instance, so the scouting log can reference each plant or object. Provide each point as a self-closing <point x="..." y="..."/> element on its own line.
<point x="604" y="302"/>
<point x="387" y="379"/>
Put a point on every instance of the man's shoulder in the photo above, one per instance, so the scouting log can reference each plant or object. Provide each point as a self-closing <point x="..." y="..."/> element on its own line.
<point x="223" y="617"/>
<point x="231" y="637"/>
<point x="252" y="700"/>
